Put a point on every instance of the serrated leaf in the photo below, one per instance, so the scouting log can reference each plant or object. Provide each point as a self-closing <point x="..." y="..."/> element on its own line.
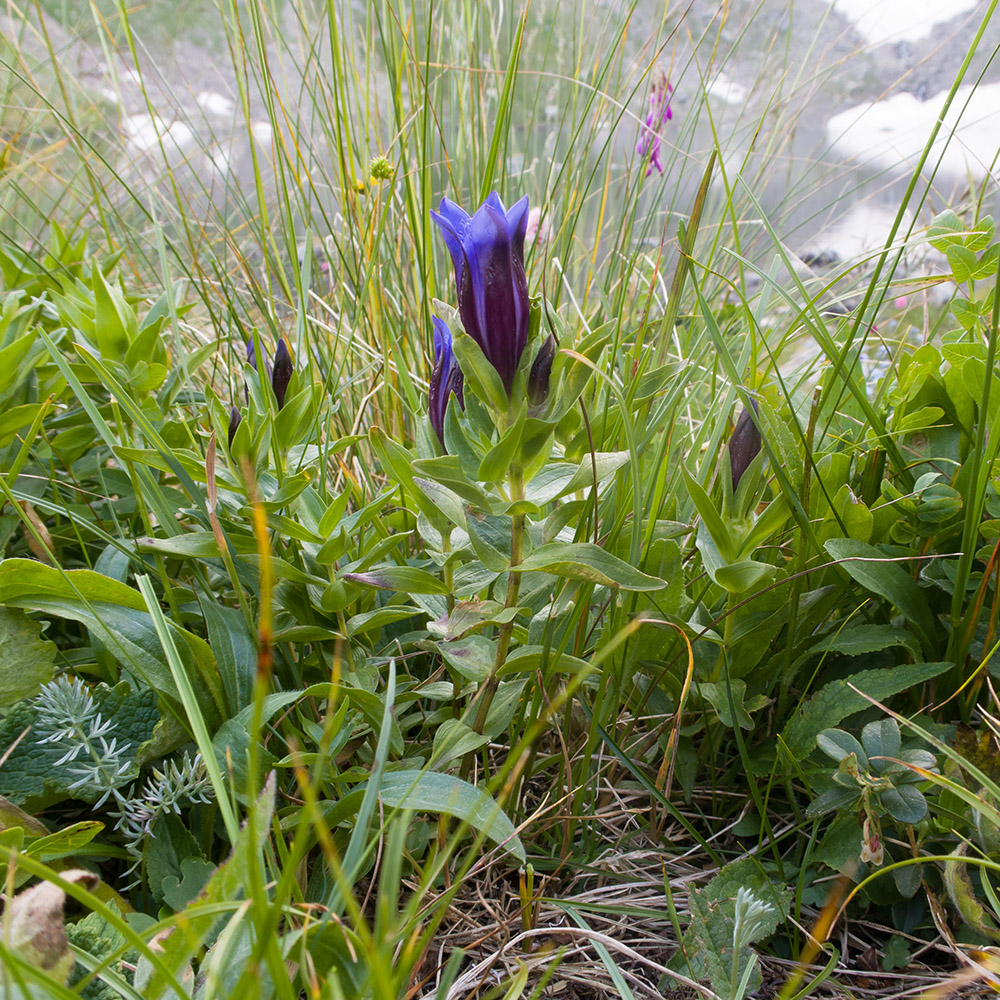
<point x="836" y="701"/>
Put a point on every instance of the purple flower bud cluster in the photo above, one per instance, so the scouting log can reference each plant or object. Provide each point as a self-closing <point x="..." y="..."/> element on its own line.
<point x="660" y="112"/>
<point x="279" y="375"/>
<point x="446" y="379"/>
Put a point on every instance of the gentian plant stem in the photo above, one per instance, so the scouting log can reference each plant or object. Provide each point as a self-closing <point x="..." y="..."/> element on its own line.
<point x="513" y="588"/>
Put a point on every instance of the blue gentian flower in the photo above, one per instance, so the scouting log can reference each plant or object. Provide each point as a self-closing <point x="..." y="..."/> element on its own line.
<point x="446" y="378"/>
<point x="487" y="250"/>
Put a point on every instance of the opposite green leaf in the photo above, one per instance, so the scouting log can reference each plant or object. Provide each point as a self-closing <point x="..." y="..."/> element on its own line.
<point x="589" y="562"/>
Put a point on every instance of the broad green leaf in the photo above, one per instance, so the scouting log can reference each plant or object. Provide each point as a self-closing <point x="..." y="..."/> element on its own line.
<point x="881" y="739"/>
<point x="116" y="615"/>
<point x="717" y="694"/>
<point x="741" y="576"/>
<point x="471" y="616"/>
<point x="369" y="621"/>
<point x="430" y="791"/>
<point x="115" y="322"/>
<point x="26" y="659"/>
<point x="589" y="562"/>
<point x="235" y="649"/>
<point x="472" y="657"/>
<point x="528" y="659"/>
<point x="979" y="236"/>
<point x="945" y="230"/>
<point x="716" y="527"/>
<point x="962" y="262"/>
<point x="449" y="503"/>
<point x="497" y="461"/>
<point x="398" y="461"/>
<point x="403" y="579"/>
<point x="65" y="842"/>
<point x="860" y="639"/>
<point x="837" y="744"/>
<point x="21" y="579"/>
<point x="481" y="376"/>
<point x="607" y="463"/>
<point x="905" y="804"/>
<point x="449" y="471"/>
<point x="868" y="566"/>
<point x="454" y="739"/>
<point x="195" y="545"/>
<point x="836" y="701"/>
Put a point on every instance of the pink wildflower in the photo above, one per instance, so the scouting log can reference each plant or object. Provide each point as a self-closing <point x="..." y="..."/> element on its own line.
<point x="649" y="134"/>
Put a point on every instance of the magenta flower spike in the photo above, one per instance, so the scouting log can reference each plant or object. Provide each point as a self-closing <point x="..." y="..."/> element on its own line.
<point x="660" y="112"/>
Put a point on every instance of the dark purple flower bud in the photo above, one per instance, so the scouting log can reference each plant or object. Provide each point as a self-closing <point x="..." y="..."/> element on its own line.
<point x="234" y="423"/>
<point x="252" y="355"/>
<point x="446" y="378"/>
<point x="282" y="374"/>
<point x="744" y="444"/>
<point x="541" y="371"/>
<point x="487" y="250"/>
<point x="252" y="359"/>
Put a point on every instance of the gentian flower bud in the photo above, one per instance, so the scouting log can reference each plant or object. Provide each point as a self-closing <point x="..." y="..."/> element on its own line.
<point x="252" y="359"/>
<point x="252" y="355"/>
<point x="487" y="250"/>
<point x="282" y="374"/>
<point x="234" y="423"/>
<point x="744" y="444"/>
<point x="446" y="378"/>
<point x="541" y="371"/>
